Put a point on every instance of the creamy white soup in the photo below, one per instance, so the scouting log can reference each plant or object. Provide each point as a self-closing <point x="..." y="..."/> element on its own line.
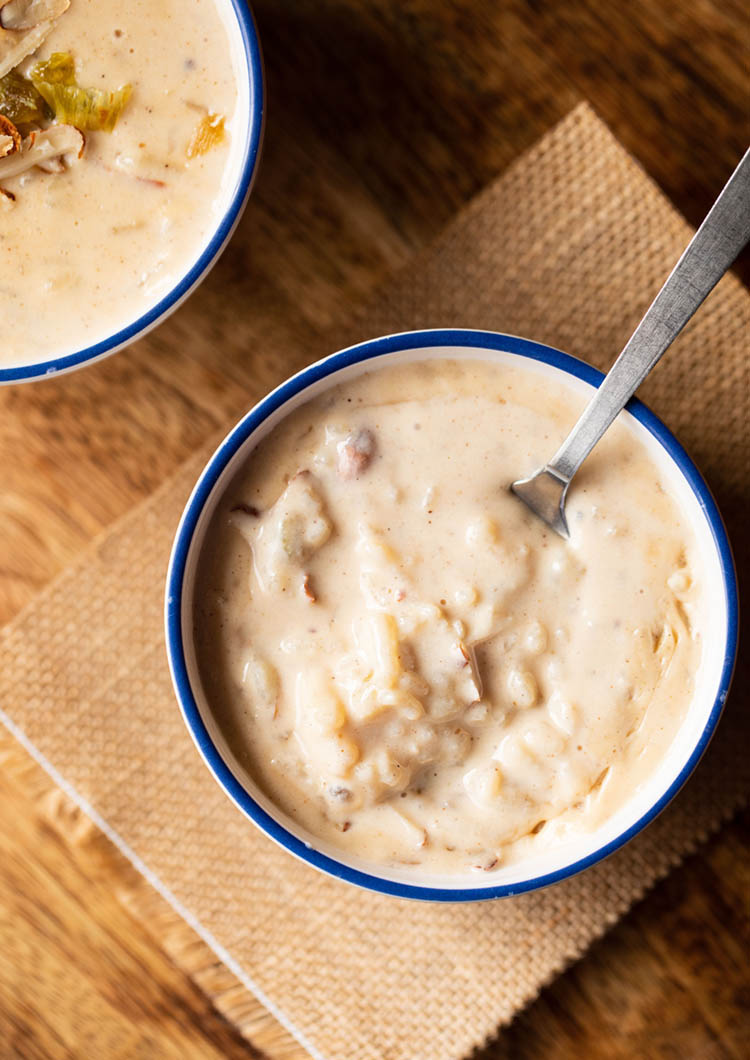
<point x="410" y="664"/>
<point x="118" y="146"/>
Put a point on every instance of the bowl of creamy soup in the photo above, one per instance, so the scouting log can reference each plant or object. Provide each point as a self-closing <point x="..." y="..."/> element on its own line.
<point x="403" y="676"/>
<point x="129" y="138"/>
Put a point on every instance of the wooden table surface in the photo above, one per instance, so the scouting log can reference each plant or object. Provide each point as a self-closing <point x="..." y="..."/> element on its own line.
<point x="384" y="117"/>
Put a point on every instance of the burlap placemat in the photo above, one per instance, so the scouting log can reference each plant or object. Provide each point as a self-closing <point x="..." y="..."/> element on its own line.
<point x="567" y="247"/>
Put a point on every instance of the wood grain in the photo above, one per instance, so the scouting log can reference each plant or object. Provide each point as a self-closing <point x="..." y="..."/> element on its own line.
<point x="384" y="117"/>
<point x="670" y="980"/>
<point x="79" y="974"/>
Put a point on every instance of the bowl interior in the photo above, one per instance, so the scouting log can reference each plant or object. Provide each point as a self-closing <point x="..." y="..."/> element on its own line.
<point x="645" y="801"/>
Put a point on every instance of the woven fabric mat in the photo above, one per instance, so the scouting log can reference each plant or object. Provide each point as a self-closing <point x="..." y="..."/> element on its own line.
<point x="568" y="247"/>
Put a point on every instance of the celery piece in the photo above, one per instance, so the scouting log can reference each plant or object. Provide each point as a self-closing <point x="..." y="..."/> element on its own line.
<point x="19" y="100"/>
<point x="208" y="133"/>
<point x="86" y="108"/>
<point x="59" y="69"/>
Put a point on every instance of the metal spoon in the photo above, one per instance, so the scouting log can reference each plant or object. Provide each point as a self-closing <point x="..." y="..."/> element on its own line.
<point x="711" y="251"/>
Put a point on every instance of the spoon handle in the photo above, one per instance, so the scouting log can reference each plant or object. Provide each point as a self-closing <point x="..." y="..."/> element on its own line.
<point x="711" y="251"/>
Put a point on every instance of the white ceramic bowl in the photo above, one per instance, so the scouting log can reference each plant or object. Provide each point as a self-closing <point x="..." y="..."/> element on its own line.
<point x="243" y="162"/>
<point x="712" y="684"/>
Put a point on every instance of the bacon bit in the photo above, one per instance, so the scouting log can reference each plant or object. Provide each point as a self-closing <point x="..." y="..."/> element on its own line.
<point x="152" y="181"/>
<point x="308" y="590"/>
<point x="248" y="509"/>
<point x="356" y="453"/>
<point x="401" y="595"/>
<point x="599" y="780"/>
<point x="471" y="682"/>
<point x="346" y="826"/>
<point x="10" y="137"/>
<point x="487" y="866"/>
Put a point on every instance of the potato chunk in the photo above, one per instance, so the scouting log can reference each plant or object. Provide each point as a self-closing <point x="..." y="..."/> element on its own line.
<point x="287" y="535"/>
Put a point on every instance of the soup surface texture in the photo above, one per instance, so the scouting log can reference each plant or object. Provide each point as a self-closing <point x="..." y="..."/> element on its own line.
<point x="99" y="236"/>
<point x="409" y="663"/>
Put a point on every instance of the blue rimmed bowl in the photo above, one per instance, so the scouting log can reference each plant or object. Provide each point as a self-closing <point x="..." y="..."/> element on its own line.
<point x="711" y="686"/>
<point x="243" y="162"/>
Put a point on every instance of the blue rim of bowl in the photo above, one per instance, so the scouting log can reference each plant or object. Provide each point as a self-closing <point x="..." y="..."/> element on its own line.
<point x="175" y="580"/>
<point x="170" y="302"/>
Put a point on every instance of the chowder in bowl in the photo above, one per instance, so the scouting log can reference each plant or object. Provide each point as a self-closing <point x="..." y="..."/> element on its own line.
<point x="129" y="137"/>
<point x="404" y="677"/>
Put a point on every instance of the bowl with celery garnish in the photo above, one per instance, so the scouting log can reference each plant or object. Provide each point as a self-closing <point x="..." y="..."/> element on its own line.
<point x="129" y="139"/>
